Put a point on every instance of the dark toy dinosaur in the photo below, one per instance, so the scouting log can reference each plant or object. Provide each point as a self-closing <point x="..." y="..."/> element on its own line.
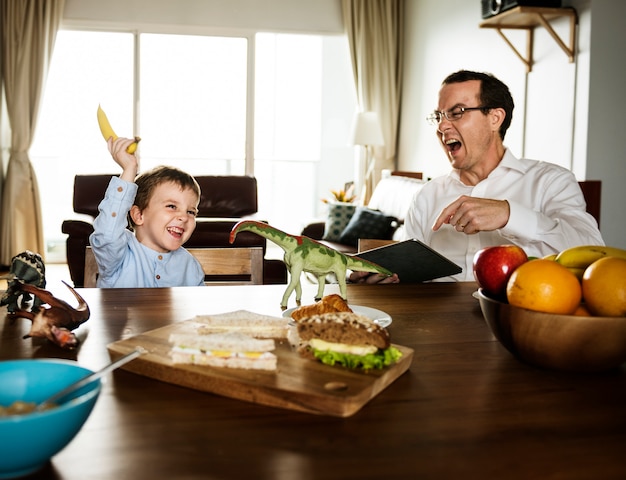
<point x="54" y="321"/>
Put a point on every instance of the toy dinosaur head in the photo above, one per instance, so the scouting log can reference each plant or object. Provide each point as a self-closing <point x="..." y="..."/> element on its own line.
<point x="26" y="267"/>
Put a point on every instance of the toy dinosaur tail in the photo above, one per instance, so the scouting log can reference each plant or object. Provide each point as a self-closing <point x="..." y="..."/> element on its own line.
<point x="361" y="265"/>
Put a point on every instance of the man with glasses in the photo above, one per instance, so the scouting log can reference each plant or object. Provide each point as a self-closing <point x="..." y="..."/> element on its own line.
<point x="490" y="197"/>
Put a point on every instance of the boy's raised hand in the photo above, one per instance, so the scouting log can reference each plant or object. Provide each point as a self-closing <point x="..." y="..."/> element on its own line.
<point x="128" y="161"/>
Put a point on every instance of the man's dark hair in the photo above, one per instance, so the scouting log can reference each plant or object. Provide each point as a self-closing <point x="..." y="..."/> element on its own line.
<point x="493" y="93"/>
<point x="148" y="181"/>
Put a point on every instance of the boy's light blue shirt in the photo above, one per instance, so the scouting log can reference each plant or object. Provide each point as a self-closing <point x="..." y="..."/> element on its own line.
<point x="123" y="262"/>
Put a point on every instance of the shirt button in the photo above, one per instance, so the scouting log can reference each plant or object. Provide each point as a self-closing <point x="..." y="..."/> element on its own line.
<point x="120" y="189"/>
<point x="158" y="277"/>
<point x="160" y="257"/>
<point x="114" y="214"/>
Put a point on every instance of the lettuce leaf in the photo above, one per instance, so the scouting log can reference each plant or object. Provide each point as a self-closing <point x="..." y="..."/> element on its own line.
<point x="371" y="361"/>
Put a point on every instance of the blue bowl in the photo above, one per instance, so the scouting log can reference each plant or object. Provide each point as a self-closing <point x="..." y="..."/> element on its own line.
<point x="29" y="440"/>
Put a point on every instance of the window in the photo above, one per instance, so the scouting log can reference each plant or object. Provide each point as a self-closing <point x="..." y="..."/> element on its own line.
<point x="193" y="102"/>
<point x="192" y="111"/>
<point x="288" y="97"/>
<point x="288" y="112"/>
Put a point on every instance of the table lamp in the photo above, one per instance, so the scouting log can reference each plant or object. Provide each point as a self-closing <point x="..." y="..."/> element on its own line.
<point x="366" y="131"/>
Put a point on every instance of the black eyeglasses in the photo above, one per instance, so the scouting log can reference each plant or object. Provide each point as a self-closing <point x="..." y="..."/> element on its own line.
<point x="452" y="115"/>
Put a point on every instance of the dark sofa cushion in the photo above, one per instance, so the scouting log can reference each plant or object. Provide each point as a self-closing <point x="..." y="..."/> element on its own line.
<point x="227" y="195"/>
<point x="368" y="223"/>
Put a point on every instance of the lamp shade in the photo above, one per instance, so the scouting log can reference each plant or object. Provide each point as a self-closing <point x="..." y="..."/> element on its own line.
<point x="366" y="130"/>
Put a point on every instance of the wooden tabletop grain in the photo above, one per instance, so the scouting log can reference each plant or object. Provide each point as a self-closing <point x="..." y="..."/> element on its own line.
<point x="466" y="408"/>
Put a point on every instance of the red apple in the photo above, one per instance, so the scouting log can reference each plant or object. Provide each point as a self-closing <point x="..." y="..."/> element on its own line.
<point x="494" y="265"/>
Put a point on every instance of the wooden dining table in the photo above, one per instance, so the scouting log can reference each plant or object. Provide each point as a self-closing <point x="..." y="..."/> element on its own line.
<point x="466" y="408"/>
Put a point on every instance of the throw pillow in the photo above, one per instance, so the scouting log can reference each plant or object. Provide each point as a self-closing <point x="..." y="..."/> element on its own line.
<point x="367" y="223"/>
<point x="339" y="214"/>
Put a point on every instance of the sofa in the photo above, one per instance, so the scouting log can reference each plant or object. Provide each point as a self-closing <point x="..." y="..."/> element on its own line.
<point x="225" y="200"/>
<point x="382" y="218"/>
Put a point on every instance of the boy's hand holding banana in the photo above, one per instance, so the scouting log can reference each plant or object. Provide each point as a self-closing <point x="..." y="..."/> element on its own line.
<point x="107" y="131"/>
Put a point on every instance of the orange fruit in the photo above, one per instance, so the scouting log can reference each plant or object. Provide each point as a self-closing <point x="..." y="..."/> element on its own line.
<point x="544" y="286"/>
<point x="582" y="311"/>
<point x="604" y="287"/>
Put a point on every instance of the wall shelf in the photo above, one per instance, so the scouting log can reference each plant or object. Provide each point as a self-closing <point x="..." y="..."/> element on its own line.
<point x="527" y="18"/>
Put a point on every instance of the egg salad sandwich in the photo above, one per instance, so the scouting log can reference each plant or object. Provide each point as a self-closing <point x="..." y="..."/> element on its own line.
<point x="229" y="350"/>
<point x="347" y="339"/>
<point x="254" y="324"/>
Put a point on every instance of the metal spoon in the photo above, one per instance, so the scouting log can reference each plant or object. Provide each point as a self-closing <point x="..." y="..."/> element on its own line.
<point x="92" y="377"/>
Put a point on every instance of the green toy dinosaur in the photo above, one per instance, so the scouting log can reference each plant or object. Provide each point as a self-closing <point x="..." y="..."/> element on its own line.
<point x="303" y="254"/>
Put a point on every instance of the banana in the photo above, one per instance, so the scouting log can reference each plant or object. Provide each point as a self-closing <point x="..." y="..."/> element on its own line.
<point x="578" y="272"/>
<point x="107" y="131"/>
<point x="584" y="255"/>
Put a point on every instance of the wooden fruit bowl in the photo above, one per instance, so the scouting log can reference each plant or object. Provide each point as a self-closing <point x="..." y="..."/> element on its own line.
<point x="559" y="342"/>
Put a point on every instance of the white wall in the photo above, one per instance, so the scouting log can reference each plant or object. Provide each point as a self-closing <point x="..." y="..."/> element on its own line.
<point x="440" y="41"/>
<point x="606" y="159"/>
<point x="566" y="113"/>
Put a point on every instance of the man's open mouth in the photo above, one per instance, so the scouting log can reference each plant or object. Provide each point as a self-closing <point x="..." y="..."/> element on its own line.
<point x="453" y="145"/>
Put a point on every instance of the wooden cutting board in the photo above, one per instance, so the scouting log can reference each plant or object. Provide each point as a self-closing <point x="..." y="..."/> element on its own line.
<point x="298" y="384"/>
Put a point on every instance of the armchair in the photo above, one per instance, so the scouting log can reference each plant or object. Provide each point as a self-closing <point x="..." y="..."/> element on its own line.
<point x="225" y="200"/>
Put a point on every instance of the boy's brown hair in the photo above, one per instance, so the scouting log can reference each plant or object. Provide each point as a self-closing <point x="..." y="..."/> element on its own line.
<point x="148" y="181"/>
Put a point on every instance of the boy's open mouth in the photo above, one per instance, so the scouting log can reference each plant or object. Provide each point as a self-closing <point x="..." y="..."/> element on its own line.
<point x="176" y="231"/>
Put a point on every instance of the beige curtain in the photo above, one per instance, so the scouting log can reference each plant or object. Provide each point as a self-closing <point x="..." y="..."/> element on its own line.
<point x="375" y="30"/>
<point x="29" y="29"/>
<point x="3" y="142"/>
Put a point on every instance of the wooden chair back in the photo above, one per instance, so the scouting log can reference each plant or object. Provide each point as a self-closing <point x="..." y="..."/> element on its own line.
<point x="592" y="191"/>
<point x="365" y="244"/>
<point x="91" y="269"/>
<point x="225" y="265"/>
<point x="404" y="173"/>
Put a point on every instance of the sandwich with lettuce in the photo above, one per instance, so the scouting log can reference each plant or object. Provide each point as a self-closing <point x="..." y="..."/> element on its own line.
<point x="347" y="339"/>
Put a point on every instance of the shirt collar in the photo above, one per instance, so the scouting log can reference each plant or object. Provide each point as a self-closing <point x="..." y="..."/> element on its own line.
<point x="153" y="254"/>
<point x="510" y="161"/>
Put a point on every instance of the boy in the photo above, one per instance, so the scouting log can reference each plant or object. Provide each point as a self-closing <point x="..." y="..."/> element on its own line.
<point x="161" y="206"/>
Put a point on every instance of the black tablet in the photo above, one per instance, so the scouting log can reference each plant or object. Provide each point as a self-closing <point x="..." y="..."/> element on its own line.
<point x="412" y="260"/>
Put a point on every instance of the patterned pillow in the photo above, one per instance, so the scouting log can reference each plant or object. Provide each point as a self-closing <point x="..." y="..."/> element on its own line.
<point x="368" y="223"/>
<point x="339" y="214"/>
